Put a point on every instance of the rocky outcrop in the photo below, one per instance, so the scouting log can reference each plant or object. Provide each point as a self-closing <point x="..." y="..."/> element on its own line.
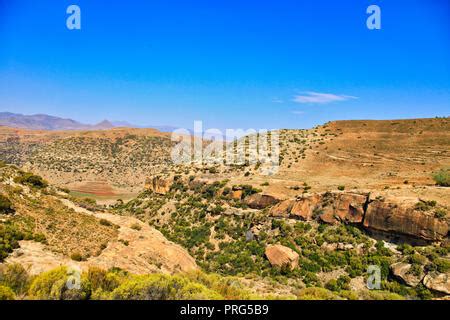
<point x="146" y="248"/>
<point x="146" y="251"/>
<point x="330" y="207"/>
<point x="394" y="215"/>
<point x="260" y="201"/>
<point x="281" y="256"/>
<point x="400" y="216"/>
<point x="439" y="282"/>
<point x="403" y="272"/>
<point x="302" y="208"/>
<point x="343" y="207"/>
<point x="159" y="184"/>
<point x="305" y="207"/>
<point x="282" y="209"/>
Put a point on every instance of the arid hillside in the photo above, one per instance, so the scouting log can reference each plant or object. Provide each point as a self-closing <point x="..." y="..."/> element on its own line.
<point x="396" y="157"/>
<point x="42" y="227"/>
<point x="374" y="153"/>
<point x="381" y="155"/>
<point x="105" y="162"/>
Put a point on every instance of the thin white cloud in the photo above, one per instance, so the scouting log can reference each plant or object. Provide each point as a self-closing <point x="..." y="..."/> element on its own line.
<point x="320" y="98"/>
<point x="298" y="112"/>
<point x="277" y="100"/>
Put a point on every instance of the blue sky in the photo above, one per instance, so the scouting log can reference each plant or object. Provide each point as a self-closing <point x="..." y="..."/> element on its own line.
<point x="230" y="63"/>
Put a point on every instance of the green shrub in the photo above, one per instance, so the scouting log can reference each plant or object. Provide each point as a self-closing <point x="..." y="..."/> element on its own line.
<point x="314" y="293"/>
<point x="53" y="285"/>
<point x="406" y="249"/>
<point x="5" y="205"/>
<point x="136" y="226"/>
<point x="424" y="205"/>
<point x="380" y="295"/>
<point x="417" y="259"/>
<point x="31" y="180"/>
<point x="162" y="287"/>
<point x="6" y="293"/>
<point x="349" y="295"/>
<point x="443" y="265"/>
<point x="103" y="280"/>
<point x="442" y="177"/>
<point x="440" y="213"/>
<point x="341" y="188"/>
<point x="423" y="293"/>
<point x="15" y="277"/>
<point x="342" y="283"/>
<point x="76" y="256"/>
<point x="10" y="236"/>
<point x="311" y="279"/>
<point x="213" y="170"/>
<point x="228" y="287"/>
<point x="105" y="222"/>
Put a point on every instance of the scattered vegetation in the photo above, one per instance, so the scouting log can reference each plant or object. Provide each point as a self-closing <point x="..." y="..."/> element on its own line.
<point x="64" y="283"/>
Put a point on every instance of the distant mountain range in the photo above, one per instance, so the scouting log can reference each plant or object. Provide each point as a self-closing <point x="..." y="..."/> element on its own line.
<point x="47" y="122"/>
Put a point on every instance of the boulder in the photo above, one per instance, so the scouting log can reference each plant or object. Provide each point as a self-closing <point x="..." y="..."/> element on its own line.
<point x="282" y="209"/>
<point x="260" y="201"/>
<point x="344" y="246"/>
<point x="401" y="271"/>
<point x="329" y="247"/>
<point x="439" y="282"/>
<point x="256" y="230"/>
<point x="280" y="256"/>
<point x="158" y="184"/>
<point x="401" y="217"/>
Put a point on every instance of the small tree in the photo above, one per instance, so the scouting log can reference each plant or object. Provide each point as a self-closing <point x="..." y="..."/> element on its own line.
<point x="5" y="205"/>
<point x="31" y="180"/>
<point x="442" y="177"/>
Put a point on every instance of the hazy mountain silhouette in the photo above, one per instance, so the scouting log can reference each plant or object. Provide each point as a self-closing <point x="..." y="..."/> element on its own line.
<point x="47" y="122"/>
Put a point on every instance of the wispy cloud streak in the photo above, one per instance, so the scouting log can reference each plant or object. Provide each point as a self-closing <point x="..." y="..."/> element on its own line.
<point x="312" y="97"/>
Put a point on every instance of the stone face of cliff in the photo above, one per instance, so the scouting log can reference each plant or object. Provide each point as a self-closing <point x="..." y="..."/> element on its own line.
<point x="159" y="184"/>
<point x="344" y="207"/>
<point x="260" y="201"/>
<point x="305" y="207"/>
<point x="401" y="217"/>
<point x="394" y="215"/>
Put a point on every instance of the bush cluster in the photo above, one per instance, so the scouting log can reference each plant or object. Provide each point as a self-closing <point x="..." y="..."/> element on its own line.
<point x="6" y="206"/>
<point x="115" y="284"/>
<point x="32" y="180"/>
<point x="442" y="177"/>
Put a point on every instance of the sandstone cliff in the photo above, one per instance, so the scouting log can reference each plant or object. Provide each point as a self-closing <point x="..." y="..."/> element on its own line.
<point x="395" y="215"/>
<point x="159" y="184"/>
